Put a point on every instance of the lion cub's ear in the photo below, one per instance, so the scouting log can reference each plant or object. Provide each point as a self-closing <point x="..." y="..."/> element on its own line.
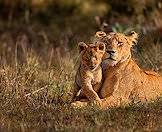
<point x="100" y="34"/>
<point x="82" y="46"/>
<point x="133" y="36"/>
<point x="101" y="46"/>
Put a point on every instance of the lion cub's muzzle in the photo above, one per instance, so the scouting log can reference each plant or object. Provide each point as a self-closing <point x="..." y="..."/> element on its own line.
<point x="92" y="67"/>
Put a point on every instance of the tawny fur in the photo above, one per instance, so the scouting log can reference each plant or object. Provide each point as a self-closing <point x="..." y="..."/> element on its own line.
<point x="124" y="82"/>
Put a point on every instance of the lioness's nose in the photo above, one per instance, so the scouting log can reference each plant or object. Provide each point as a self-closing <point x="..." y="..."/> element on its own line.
<point x="111" y="51"/>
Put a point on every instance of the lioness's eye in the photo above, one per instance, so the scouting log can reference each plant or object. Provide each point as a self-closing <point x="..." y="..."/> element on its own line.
<point x="120" y="43"/>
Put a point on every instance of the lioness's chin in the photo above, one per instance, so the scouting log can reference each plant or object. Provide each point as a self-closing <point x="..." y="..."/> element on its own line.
<point x="110" y="62"/>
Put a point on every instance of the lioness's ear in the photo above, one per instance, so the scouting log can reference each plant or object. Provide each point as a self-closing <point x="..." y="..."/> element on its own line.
<point x="100" y="34"/>
<point x="101" y="46"/>
<point x="133" y="36"/>
<point x="82" y="46"/>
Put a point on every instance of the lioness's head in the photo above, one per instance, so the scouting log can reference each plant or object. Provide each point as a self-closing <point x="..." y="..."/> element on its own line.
<point x="91" y="54"/>
<point x="118" y="46"/>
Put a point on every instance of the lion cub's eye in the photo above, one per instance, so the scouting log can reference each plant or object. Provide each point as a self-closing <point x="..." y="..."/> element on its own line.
<point x="120" y="43"/>
<point x="105" y="41"/>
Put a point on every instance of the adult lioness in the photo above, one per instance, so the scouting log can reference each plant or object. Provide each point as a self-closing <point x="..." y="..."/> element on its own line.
<point x="124" y="81"/>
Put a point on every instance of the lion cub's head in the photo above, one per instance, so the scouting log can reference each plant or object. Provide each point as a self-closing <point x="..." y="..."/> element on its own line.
<point x="118" y="46"/>
<point x="91" y="54"/>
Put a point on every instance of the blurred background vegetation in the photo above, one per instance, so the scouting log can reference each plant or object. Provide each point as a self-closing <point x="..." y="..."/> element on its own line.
<point x="38" y="57"/>
<point x="53" y="24"/>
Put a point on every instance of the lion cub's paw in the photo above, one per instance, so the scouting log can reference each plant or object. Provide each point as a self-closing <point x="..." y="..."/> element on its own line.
<point x="97" y="102"/>
<point x="79" y="104"/>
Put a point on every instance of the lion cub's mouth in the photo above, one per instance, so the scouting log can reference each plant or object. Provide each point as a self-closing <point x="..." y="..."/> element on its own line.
<point x="92" y="67"/>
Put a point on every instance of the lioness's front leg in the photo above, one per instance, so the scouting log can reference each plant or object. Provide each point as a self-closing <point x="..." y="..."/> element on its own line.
<point x="110" y="92"/>
<point x="116" y="95"/>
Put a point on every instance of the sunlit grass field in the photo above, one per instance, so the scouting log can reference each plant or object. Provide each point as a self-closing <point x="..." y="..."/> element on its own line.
<point x="39" y="59"/>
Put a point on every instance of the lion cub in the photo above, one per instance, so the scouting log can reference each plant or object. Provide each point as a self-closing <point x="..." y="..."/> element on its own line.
<point x="89" y="74"/>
